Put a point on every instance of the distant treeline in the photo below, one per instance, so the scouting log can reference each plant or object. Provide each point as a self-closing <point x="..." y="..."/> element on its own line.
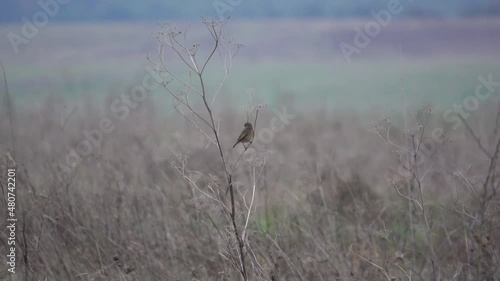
<point x="146" y="10"/>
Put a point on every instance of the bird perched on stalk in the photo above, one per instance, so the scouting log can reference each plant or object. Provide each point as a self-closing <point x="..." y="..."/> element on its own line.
<point x="246" y="135"/>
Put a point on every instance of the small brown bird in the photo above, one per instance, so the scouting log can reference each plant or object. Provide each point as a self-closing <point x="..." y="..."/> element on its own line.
<point x="246" y="135"/>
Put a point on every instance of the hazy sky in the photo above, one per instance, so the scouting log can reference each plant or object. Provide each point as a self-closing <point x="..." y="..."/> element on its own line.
<point x="127" y="10"/>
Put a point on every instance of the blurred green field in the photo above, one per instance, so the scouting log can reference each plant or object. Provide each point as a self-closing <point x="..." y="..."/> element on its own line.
<point x="288" y="60"/>
<point x="360" y="87"/>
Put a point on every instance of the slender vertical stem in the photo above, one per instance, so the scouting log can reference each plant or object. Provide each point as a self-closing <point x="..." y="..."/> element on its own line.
<point x="9" y="107"/>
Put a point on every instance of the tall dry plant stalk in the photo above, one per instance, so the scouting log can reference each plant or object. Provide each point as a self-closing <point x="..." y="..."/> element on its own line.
<point x="9" y="111"/>
<point x="173" y="39"/>
<point x="476" y="210"/>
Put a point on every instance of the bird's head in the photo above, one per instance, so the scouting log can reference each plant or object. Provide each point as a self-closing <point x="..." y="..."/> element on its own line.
<point x="248" y="125"/>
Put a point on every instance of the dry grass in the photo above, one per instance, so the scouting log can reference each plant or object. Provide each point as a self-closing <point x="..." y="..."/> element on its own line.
<point x="324" y="209"/>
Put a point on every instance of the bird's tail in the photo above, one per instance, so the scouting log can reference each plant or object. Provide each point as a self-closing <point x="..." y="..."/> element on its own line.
<point x="235" y="144"/>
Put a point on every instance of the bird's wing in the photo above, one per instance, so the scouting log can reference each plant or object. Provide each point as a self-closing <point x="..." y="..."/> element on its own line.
<point x="243" y="135"/>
